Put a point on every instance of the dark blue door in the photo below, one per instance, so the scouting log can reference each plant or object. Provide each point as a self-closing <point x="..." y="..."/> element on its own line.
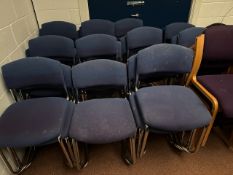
<point x="153" y="12"/>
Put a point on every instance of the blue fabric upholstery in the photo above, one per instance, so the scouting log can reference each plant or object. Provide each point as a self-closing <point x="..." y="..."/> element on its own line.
<point x="174" y="39"/>
<point x="97" y="45"/>
<point x="164" y="58"/>
<point x="136" y="113"/>
<point x="188" y="36"/>
<point x="102" y="121"/>
<point x="56" y="47"/>
<point x="123" y="45"/>
<point x="119" y="51"/>
<point x="99" y="73"/>
<point x="174" y="28"/>
<point x="60" y="28"/>
<point x="97" y="26"/>
<point x="131" y="68"/>
<point x="35" y="122"/>
<point x="142" y="37"/>
<point x="33" y="72"/>
<point x="67" y="75"/>
<point x="125" y="25"/>
<point x="172" y="108"/>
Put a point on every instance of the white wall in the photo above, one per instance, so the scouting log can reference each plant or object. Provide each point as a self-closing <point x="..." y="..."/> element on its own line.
<point x="206" y="12"/>
<point x="17" y="26"/>
<point x="74" y="11"/>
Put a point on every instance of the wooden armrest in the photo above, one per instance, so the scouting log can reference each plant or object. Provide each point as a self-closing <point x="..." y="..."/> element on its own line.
<point x="214" y="109"/>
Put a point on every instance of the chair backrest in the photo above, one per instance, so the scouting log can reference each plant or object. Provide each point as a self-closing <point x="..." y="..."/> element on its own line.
<point x="55" y="47"/>
<point x="97" y="26"/>
<point x="97" y="46"/>
<point x="100" y="73"/>
<point x="163" y="59"/>
<point x="171" y="30"/>
<point x="218" y="52"/>
<point x="142" y="37"/>
<point x="188" y="36"/>
<point x="215" y="24"/>
<point x="35" y="76"/>
<point x="60" y="28"/>
<point x="125" y="25"/>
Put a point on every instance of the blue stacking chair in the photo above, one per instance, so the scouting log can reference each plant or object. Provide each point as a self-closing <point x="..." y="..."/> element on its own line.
<point x="97" y="26"/>
<point x="123" y="26"/>
<point x="100" y="120"/>
<point x="37" y="77"/>
<point x="98" y="46"/>
<point x="171" y="31"/>
<point x="172" y="109"/>
<point x="32" y="123"/>
<point x="60" y="28"/>
<point x="142" y="37"/>
<point x="188" y="36"/>
<point x="55" y="47"/>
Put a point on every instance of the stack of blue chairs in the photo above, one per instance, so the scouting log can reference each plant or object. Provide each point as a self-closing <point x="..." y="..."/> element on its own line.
<point x="75" y="89"/>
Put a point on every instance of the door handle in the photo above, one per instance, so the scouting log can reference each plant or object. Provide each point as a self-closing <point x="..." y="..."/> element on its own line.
<point x="135" y="15"/>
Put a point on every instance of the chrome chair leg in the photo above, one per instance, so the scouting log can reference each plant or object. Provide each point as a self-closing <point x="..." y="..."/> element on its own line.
<point x="188" y="141"/>
<point x="65" y="151"/>
<point x="81" y="158"/>
<point x="133" y="149"/>
<point x="129" y="150"/>
<point x="139" y="141"/>
<point x="76" y="154"/>
<point x="144" y="142"/>
<point x="18" y="165"/>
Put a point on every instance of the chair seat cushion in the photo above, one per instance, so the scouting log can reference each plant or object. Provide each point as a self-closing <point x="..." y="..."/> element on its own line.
<point x="221" y="86"/>
<point x="35" y="122"/>
<point x="171" y="108"/>
<point x="100" y="121"/>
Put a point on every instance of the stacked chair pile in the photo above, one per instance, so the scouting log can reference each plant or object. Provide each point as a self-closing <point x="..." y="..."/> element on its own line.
<point x="78" y="91"/>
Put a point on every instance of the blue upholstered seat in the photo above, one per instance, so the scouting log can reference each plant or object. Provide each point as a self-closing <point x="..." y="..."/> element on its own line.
<point x="102" y="121"/>
<point x="35" y="122"/>
<point x="171" y="108"/>
<point x="165" y="108"/>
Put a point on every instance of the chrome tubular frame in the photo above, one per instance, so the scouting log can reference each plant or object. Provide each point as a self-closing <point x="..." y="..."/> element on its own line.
<point x="142" y="142"/>
<point x="71" y="150"/>
<point x="188" y="141"/>
<point x="17" y="166"/>
<point x="128" y="150"/>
